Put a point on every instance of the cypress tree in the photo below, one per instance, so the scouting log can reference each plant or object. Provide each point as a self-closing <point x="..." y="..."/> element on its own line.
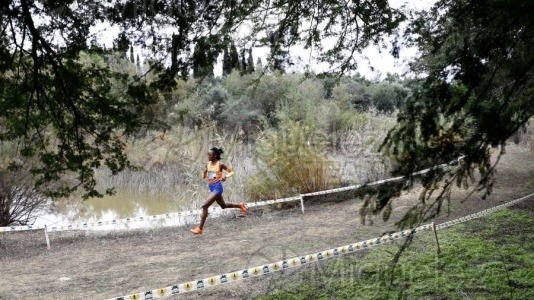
<point x="250" y="62"/>
<point x="234" y="56"/>
<point x="227" y="62"/>
<point x="199" y="59"/>
<point x="203" y="59"/>
<point x="243" y="62"/>
<point x="278" y="55"/>
<point x="132" y="59"/>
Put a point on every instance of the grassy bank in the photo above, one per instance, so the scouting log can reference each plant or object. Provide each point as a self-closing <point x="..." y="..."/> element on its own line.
<point x="488" y="258"/>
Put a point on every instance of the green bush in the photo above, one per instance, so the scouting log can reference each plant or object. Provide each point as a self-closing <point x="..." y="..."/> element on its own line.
<point x="389" y="96"/>
<point x="184" y="106"/>
<point x="303" y="102"/>
<point x="257" y="101"/>
<point x="214" y="103"/>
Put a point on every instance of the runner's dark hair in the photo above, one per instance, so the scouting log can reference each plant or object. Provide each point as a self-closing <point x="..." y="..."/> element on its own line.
<point x="218" y="152"/>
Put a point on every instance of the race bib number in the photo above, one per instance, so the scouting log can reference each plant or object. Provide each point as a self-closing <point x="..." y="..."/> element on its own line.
<point x="212" y="175"/>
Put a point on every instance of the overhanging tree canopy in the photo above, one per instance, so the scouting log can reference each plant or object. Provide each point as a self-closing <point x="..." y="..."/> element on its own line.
<point x="46" y="90"/>
<point x="477" y="91"/>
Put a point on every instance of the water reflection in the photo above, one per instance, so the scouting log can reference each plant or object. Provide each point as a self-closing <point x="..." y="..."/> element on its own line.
<point x="127" y="205"/>
<point x="119" y="206"/>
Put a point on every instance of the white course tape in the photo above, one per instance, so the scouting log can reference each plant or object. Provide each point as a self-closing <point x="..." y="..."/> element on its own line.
<point x="354" y="187"/>
<point x="269" y="202"/>
<point x="127" y="221"/>
<point x="269" y="268"/>
<point x="482" y="213"/>
<point x="20" y="228"/>
<point x="100" y="224"/>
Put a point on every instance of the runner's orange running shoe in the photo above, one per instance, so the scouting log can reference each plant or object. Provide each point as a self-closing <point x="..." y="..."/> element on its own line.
<point x="243" y="208"/>
<point x="196" y="230"/>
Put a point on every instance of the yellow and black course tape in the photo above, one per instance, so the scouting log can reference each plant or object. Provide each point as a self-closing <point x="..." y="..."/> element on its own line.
<point x="482" y="213"/>
<point x="294" y="262"/>
<point x="304" y="259"/>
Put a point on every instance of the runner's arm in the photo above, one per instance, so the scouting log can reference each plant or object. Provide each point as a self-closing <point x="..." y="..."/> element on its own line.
<point x="205" y="173"/>
<point x="228" y="170"/>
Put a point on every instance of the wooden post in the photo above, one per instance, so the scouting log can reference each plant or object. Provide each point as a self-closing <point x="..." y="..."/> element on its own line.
<point x="47" y="239"/>
<point x="302" y="203"/>
<point x="438" y="250"/>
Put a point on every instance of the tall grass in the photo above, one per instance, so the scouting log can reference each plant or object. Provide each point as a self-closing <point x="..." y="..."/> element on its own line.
<point x="357" y="155"/>
<point x="170" y="164"/>
<point x="291" y="160"/>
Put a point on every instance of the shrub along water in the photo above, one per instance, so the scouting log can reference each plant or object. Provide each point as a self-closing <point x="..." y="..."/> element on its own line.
<point x="291" y="160"/>
<point x="20" y="201"/>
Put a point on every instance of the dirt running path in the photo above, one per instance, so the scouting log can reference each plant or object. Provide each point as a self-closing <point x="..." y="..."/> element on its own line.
<point x="114" y="264"/>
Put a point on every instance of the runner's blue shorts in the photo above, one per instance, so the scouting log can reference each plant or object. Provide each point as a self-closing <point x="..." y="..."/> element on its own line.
<point x="216" y="188"/>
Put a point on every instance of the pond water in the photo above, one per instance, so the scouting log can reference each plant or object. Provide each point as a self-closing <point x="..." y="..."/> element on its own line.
<point x="119" y="206"/>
